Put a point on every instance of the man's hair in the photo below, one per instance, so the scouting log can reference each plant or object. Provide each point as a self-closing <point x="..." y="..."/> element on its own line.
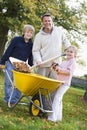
<point x="47" y="14"/>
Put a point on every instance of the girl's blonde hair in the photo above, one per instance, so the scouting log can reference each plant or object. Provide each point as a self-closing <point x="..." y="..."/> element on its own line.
<point x="74" y="49"/>
<point x="28" y="27"/>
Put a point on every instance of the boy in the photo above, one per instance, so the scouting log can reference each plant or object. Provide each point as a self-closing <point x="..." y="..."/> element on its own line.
<point x="20" y="48"/>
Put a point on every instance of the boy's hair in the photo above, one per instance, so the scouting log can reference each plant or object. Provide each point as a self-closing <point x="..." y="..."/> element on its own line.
<point x="74" y="48"/>
<point x="28" y="27"/>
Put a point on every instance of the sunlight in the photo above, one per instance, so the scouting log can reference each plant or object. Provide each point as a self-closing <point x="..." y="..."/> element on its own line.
<point x="75" y="3"/>
<point x="81" y="70"/>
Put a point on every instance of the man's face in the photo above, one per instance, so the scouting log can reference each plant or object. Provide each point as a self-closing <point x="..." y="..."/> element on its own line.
<point x="47" y="22"/>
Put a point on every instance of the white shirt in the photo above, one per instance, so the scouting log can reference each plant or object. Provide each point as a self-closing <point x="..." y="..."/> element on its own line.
<point x="48" y="45"/>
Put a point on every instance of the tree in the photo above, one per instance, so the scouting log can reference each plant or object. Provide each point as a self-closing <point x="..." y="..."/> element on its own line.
<point x="11" y="13"/>
<point x="15" y="13"/>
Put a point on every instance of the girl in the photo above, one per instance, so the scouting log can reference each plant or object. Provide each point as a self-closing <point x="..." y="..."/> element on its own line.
<point x="65" y="71"/>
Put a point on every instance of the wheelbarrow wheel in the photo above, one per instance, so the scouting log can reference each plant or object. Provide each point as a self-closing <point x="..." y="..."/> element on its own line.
<point x="34" y="110"/>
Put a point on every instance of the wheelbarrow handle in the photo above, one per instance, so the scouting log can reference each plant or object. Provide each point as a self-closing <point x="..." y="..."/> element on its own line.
<point x="46" y="61"/>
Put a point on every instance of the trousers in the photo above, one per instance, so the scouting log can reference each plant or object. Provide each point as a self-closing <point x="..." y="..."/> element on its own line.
<point x="57" y="105"/>
<point x="8" y="88"/>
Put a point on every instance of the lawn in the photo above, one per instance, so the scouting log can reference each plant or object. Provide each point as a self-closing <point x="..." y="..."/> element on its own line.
<point x="74" y="114"/>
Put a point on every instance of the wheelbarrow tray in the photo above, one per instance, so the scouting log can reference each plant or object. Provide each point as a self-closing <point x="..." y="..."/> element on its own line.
<point x="30" y="83"/>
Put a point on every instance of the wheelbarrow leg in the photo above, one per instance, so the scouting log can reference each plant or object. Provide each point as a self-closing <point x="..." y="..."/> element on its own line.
<point x="10" y="105"/>
<point x="47" y="99"/>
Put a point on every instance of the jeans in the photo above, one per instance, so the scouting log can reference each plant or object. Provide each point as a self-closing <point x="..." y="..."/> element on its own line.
<point x="11" y="93"/>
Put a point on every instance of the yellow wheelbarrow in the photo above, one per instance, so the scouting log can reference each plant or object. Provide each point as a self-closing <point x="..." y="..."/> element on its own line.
<point x="36" y="88"/>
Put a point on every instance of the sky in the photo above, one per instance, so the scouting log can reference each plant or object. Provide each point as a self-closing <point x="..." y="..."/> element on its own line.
<point x="81" y="70"/>
<point x="75" y="3"/>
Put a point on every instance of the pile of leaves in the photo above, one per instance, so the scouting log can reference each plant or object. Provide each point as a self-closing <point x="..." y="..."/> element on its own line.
<point x="22" y="67"/>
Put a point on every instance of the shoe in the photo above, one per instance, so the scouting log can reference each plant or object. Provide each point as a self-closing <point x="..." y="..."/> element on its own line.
<point x="11" y="105"/>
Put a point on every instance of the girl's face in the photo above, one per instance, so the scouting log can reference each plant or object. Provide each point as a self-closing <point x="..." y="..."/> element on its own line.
<point x="70" y="53"/>
<point x="28" y="35"/>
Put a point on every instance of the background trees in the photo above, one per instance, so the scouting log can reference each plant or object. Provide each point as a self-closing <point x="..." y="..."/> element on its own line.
<point x="15" y="13"/>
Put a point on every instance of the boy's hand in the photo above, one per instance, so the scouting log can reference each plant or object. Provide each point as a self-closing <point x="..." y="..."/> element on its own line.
<point x="2" y="66"/>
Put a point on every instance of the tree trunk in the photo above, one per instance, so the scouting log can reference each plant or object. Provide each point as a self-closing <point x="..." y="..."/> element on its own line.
<point x="3" y="37"/>
<point x="85" y="95"/>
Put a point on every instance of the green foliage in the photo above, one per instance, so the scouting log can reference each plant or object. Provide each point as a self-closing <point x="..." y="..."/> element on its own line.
<point x="85" y="76"/>
<point x="10" y="19"/>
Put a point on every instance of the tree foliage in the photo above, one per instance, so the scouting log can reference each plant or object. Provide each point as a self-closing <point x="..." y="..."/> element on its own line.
<point x="10" y="18"/>
<point x="15" y="13"/>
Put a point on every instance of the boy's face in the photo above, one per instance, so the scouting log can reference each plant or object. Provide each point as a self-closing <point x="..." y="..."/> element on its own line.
<point x="28" y="34"/>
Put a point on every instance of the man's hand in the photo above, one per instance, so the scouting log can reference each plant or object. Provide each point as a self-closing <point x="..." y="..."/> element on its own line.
<point x="38" y="63"/>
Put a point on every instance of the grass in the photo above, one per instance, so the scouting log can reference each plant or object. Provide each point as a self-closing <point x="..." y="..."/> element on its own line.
<point x="74" y="114"/>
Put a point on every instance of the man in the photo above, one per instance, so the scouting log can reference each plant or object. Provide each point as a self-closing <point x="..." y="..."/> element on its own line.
<point x="48" y="43"/>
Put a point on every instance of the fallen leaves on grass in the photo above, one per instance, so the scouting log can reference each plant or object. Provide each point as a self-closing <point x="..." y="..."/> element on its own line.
<point x="1" y="110"/>
<point x="82" y="99"/>
<point x="1" y="127"/>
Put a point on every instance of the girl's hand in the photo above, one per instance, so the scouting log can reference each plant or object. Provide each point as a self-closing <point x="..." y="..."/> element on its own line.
<point x="54" y="66"/>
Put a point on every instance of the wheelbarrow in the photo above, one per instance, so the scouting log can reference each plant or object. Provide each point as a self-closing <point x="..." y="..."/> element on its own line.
<point x="37" y="89"/>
